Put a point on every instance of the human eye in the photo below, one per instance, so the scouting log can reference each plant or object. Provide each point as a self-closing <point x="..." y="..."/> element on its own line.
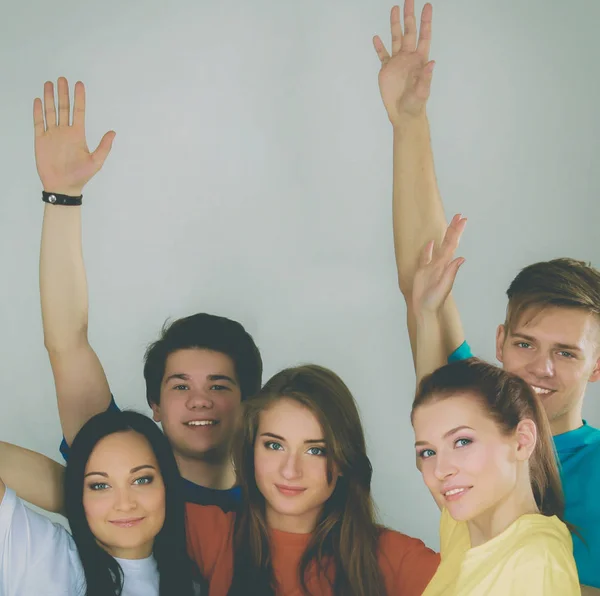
<point x="97" y="486"/>
<point x="462" y="442"/>
<point x="180" y="387"/>
<point x="219" y="388"/>
<point x="273" y="445"/>
<point x="426" y="453"/>
<point x="522" y="344"/>
<point x="144" y="480"/>
<point x="317" y="451"/>
<point x="566" y="354"/>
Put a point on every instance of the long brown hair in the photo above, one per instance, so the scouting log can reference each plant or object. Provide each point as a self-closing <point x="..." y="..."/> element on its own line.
<point x="507" y="399"/>
<point x="346" y="535"/>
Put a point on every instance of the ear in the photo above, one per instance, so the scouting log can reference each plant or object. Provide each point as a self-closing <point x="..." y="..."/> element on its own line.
<point x="156" y="413"/>
<point x="526" y="434"/>
<point x="595" y="373"/>
<point x="500" y="338"/>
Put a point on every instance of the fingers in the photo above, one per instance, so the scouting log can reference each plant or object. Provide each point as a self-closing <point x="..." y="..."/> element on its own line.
<point x="449" y="276"/>
<point x="424" y="43"/>
<point x="452" y="237"/>
<point x="79" y="105"/>
<point x="409" y="42"/>
<point x="101" y="153"/>
<point x="64" y="108"/>
<point x="426" y="254"/>
<point x="49" y="106"/>
<point x="380" y="49"/>
<point x="396" y="29"/>
<point x="38" y="118"/>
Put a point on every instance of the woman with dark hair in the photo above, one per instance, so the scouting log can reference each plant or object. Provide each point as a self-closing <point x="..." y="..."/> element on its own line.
<point x="485" y="450"/>
<point x="307" y="522"/>
<point x="126" y="516"/>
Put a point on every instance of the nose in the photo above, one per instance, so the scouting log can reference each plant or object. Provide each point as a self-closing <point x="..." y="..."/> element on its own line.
<point x="198" y="399"/>
<point x="124" y="500"/>
<point x="445" y="467"/>
<point x="291" y="467"/>
<point x="542" y="365"/>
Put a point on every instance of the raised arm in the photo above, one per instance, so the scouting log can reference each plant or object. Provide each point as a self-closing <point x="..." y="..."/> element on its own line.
<point x="33" y="476"/>
<point x="432" y="285"/>
<point x="418" y="214"/>
<point x="65" y="165"/>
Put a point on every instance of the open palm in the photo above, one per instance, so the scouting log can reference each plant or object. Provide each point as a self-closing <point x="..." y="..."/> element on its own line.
<point x="64" y="162"/>
<point x="405" y="75"/>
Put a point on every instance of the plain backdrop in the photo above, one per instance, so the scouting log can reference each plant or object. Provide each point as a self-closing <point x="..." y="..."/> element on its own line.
<point x="251" y="178"/>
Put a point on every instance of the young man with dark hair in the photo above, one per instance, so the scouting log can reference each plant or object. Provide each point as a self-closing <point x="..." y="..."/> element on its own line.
<point x="199" y="370"/>
<point x="551" y="334"/>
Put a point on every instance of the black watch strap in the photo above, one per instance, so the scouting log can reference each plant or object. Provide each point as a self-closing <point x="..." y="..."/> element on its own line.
<point x="58" y="199"/>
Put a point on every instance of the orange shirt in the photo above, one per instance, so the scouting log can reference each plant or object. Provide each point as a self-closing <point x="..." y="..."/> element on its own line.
<point x="406" y="563"/>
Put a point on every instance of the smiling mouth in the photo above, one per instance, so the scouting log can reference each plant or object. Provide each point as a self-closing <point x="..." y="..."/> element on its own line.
<point x="201" y="423"/>
<point x="456" y="493"/>
<point x="290" y="491"/>
<point x="127" y="523"/>
<point x="541" y="391"/>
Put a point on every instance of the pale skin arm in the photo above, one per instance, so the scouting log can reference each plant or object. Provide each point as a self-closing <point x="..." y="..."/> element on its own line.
<point x="432" y="285"/>
<point x="418" y="214"/>
<point x="33" y="476"/>
<point x="65" y="165"/>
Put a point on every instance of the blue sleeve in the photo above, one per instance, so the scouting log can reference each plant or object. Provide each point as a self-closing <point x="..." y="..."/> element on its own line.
<point x="64" y="448"/>
<point x="463" y="352"/>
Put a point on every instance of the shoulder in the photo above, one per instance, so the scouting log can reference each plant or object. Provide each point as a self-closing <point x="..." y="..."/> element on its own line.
<point x="209" y="532"/>
<point x="408" y="560"/>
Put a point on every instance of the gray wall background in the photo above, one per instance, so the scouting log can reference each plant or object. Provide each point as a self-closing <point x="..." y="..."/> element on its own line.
<point x="251" y="177"/>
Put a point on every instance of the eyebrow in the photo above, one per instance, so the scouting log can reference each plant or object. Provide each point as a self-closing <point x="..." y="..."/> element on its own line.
<point x="308" y="442"/>
<point x="571" y="347"/>
<point x="132" y="471"/>
<point x="448" y="434"/>
<point x="185" y="377"/>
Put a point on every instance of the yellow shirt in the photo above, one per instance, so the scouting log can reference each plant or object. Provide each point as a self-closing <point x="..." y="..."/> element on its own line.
<point x="532" y="557"/>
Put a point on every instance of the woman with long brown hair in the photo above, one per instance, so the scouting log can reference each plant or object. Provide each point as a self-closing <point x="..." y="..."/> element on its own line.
<point x="307" y="523"/>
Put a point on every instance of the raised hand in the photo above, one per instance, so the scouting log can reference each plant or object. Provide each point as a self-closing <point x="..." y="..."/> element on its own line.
<point x="405" y="76"/>
<point x="437" y="270"/>
<point x="64" y="162"/>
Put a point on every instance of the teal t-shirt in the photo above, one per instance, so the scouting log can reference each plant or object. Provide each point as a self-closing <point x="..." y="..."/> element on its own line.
<point x="579" y="455"/>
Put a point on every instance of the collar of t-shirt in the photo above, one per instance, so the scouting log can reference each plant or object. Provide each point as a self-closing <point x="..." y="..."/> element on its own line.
<point x="574" y="440"/>
<point x="140" y="576"/>
<point x="228" y="500"/>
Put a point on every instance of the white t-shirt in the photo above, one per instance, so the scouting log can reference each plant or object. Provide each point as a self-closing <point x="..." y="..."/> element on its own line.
<point x="38" y="556"/>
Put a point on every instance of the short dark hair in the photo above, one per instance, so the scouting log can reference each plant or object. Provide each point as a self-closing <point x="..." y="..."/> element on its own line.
<point x="208" y="332"/>
<point x="560" y="282"/>
<point x="103" y="573"/>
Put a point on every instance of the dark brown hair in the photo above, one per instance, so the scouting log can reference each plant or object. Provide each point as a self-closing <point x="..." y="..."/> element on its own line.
<point x="561" y="282"/>
<point x="507" y="399"/>
<point x="346" y="535"/>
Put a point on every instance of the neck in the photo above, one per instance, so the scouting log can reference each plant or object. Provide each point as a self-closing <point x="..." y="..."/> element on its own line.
<point x="217" y="474"/>
<point x="569" y="421"/>
<point x="496" y="519"/>
<point x="293" y="524"/>
<point x="140" y="552"/>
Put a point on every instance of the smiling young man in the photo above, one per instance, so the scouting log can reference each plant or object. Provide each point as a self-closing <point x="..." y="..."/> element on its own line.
<point x="196" y="374"/>
<point x="551" y="333"/>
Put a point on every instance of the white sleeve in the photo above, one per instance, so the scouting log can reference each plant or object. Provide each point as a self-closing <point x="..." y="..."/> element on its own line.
<point x="36" y="555"/>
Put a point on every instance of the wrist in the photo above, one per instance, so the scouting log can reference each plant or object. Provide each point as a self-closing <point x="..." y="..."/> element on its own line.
<point x="407" y="123"/>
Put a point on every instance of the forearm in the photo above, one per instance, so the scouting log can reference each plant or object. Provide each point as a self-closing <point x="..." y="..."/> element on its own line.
<point x="589" y="591"/>
<point x="430" y="353"/>
<point x="33" y="476"/>
<point x="418" y="214"/>
<point x="63" y="285"/>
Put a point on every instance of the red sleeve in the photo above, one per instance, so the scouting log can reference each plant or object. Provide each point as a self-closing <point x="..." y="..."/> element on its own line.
<point x="209" y="539"/>
<point x="406" y="563"/>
